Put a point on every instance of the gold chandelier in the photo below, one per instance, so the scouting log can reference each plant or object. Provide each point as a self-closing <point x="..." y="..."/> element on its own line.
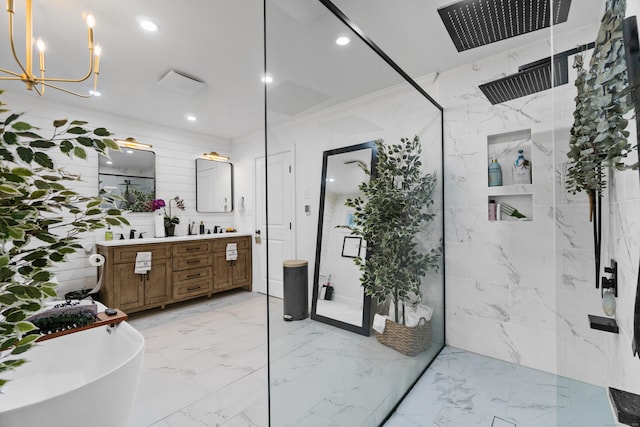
<point x="38" y="83"/>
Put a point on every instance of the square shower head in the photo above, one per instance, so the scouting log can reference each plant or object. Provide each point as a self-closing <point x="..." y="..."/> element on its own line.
<point x="531" y="78"/>
<point x="474" y="23"/>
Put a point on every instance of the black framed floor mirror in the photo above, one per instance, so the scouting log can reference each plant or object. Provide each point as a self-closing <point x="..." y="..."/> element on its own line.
<point x="338" y="298"/>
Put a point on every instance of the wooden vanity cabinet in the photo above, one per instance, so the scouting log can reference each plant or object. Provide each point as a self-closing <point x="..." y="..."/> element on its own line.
<point x="128" y="291"/>
<point x="192" y="271"/>
<point x="180" y="270"/>
<point x="236" y="273"/>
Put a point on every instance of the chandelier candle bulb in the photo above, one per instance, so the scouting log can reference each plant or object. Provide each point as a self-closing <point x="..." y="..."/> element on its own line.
<point x="91" y="22"/>
<point x="38" y="82"/>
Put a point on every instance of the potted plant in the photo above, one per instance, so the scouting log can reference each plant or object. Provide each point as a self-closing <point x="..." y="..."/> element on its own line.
<point x="40" y="220"/>
<point x="395" y="207"/>
<point x="170" y="221"/>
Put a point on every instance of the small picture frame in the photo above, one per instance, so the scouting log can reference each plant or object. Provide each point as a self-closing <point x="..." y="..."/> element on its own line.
<point x="351" y="246"/>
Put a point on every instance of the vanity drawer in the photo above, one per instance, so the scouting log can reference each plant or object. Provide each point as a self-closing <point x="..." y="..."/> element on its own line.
<point x="192" y="275"/>
<point x="243" y="242"/>
<point x="193" y="261"/>
<point x="190" y="249"/>
<point x="188" y="290"/>
<point x="126" y="254"/>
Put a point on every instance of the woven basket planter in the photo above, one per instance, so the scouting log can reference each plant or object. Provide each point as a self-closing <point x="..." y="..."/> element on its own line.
<point x="408" y="340"/>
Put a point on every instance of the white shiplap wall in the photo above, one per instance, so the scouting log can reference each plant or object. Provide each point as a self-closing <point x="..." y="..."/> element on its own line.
<point x="175" y="150"/>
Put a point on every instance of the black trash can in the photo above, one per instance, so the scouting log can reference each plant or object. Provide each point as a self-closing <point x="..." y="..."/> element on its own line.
<point x="296" y="289"/>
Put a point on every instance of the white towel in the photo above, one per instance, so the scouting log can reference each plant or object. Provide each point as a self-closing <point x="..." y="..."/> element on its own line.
<point x="413" y="314"/>
<point x="232" y="251"/>
<point x="379" y="323"/>
<point x="143" y="262"/>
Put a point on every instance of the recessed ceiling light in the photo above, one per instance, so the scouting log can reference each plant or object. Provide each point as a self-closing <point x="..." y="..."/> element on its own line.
<point x="267" y="79"/>
<point x="149" y="25"/>
<point x="129" y="151"/>
<point x="109" y="162"/>
<point x="342" y="41"/>
<point x="191" y="118"/>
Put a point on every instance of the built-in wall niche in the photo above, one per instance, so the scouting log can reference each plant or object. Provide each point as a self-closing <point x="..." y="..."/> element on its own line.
<point x="522" y="203"/>
<point x="504" y="147"/>
<point x="509" y="196"/>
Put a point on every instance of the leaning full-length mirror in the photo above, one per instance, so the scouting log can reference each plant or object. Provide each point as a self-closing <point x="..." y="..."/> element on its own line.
<point x="338" y="297"/>
<point x="130" y="174"/>
<point x="214" y="186"/>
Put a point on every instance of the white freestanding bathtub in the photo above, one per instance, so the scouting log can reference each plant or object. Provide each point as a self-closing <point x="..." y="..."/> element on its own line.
<point x="87" y="378"/>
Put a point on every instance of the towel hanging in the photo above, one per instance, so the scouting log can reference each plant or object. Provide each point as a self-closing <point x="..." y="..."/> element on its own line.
<point x="143" y="262"/>
<point x="232" y="252"/>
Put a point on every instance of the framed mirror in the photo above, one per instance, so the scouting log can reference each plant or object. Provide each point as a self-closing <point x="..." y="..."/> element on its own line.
<point x="130" y="174"/>
<point x="338" y="299"/>
<point x="214" y="186"/>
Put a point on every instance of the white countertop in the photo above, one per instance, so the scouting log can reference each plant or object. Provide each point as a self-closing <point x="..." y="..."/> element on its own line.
<point x="146" y="240"/>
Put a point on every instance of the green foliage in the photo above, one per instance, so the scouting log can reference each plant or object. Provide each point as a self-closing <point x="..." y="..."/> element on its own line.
<point x="139" y="201"/>
<point x="40" y="219"/>
<point x="598" y="136"/>
<point x="394" y="208"/>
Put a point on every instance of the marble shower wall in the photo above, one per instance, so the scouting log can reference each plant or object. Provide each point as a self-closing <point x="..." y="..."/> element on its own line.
<point x="521" y="291"/>
<point x="501" y="293"/>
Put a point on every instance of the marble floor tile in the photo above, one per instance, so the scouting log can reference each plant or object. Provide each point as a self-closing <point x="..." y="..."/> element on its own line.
<point x="467" y="389"/>
<point x="206" y="365"/>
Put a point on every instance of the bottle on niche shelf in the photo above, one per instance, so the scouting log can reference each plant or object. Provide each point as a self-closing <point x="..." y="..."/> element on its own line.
<point x="521" y="170"/>
<point x="495" y="173"/>
<point x="492" y="210"/>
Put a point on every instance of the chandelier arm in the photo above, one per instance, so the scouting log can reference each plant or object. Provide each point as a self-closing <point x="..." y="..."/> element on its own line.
<point x="15" y="76"/>
<point x="40" y="93"/>
<point x="64" y="90"/>
<point x="13" y="48"/>
<point x="60" y="80"/>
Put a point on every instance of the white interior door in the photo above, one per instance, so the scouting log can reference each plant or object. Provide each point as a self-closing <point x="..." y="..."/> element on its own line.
<point x="280" y="221"/>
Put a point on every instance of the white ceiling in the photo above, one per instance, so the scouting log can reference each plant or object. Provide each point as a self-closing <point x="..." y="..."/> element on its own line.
<point x="221" y="43"/>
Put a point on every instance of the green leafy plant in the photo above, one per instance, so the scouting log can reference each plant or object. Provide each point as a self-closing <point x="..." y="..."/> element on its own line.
<point x="598" y="136"/>
<point x="394" y="208"/>
<point x="40" y="220"/>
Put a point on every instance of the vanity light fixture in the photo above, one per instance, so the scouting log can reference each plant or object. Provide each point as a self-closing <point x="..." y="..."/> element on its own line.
<point x="26" y="74"/>
<point x="215" y="156"/>
<point x="132" y="143"/>
<point x="342" y="41"/>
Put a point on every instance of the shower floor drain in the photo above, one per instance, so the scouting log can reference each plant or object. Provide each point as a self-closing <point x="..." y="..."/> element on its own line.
<point x="499" y="422"/>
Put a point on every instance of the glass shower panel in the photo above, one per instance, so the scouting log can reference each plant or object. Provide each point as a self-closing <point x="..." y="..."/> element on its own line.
<point x="323" y="101"/>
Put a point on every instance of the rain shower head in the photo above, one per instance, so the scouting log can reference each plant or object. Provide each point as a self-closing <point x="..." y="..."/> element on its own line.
<point x="532" y="78"/>
<point x="474" y="23"/>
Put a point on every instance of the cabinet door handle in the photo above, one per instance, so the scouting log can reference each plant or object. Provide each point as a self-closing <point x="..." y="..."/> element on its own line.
<point x="141" y="277"/>
<point x="147" y="275"/>
<point x="193" y="261"/>
<point x="191" y="276"/>
<point x="193" y="249"/>
<point x="193" y="289"/>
